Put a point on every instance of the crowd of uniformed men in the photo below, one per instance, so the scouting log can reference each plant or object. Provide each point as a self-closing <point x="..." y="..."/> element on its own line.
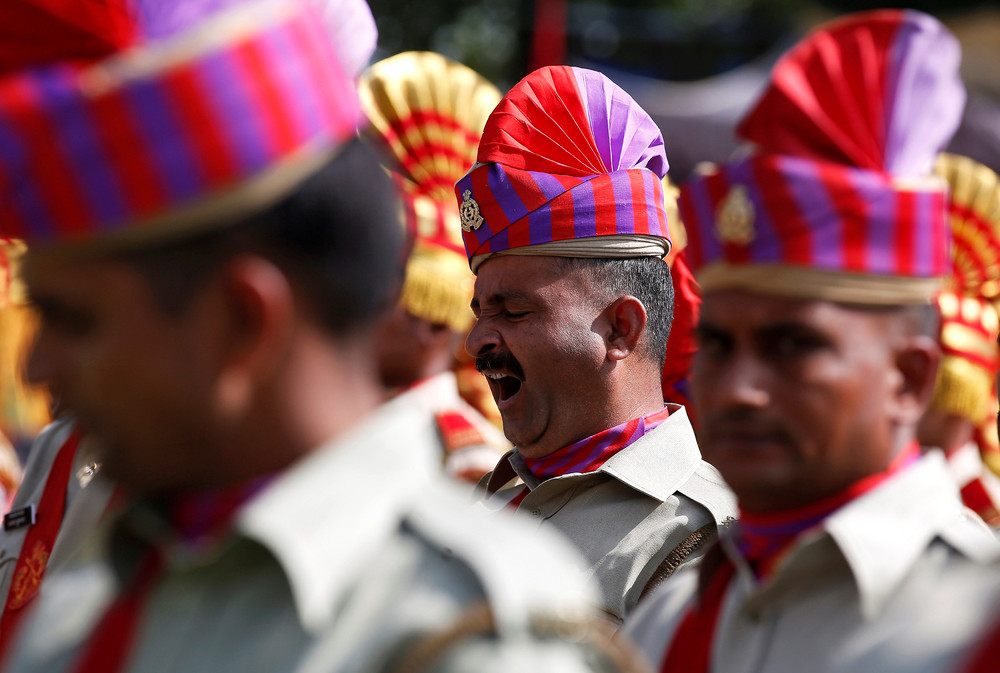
<point x="748" y="425"/>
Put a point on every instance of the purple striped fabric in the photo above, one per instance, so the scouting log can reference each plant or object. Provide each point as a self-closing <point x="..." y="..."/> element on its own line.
<point x="81" y="144"/>
<point x="584" y="210"/>
<point x="881" y="205"/>
<point x="244" y="134"/>
<point x="503" y="191"/>
<point x="166" y="145"/>
<point x="770" y="247"/>
<point x="924" y="262"/>
<point x="232" y="109"/>
<point x="813" y="199"/>
<point x="702" y="210"/>
<point x="588" y="455"/>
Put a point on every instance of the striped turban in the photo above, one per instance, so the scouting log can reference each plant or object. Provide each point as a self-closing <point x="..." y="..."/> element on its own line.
<point x="569" y="165"/>
<point x="181" y="121"/>
<point x="836" y="199"/>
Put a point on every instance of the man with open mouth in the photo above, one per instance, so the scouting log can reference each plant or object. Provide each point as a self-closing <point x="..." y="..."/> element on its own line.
<point x="565" y="227"/>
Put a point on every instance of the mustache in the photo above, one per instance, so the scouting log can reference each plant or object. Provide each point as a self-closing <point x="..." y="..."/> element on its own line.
<point x="500" y="361"/>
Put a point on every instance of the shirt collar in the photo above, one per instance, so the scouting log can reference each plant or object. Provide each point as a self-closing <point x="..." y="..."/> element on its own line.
<point x="882" y="534"/>
<point x="657" y="464"/>
<point x="434" y="392"/>
<point x="352" y="492"/>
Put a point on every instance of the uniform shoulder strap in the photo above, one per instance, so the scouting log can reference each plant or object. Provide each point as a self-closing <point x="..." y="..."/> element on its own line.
<point x="457" y="431"/>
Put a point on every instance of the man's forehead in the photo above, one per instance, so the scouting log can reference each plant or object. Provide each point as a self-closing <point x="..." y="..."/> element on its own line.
<point x="513" y="276"/>
<point x="46" y="274"/>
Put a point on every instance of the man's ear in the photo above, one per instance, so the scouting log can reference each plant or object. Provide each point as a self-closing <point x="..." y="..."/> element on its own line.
<point x="916" y="359"/>
<point x="254" y="331"/>
<point x="626" y="321"/>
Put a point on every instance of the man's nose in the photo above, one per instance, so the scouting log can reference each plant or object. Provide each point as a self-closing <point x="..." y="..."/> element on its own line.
<point x="482" y="338"/>
<point x="741" y="383"/>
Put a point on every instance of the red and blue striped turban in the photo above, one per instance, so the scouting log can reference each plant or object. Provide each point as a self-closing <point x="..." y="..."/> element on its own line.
<point x="836" y="200"/>
<point x="568" y="165"/>
<point x="178" y="123"/>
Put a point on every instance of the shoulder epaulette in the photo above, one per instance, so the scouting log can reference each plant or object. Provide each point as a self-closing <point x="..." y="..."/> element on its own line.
<point x="457" y="431"/>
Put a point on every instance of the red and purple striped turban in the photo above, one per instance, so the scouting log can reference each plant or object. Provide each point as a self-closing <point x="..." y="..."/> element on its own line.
<point x="568" y="165"/>
<point x="191" y="128"/>
<point x="836" y="200"/>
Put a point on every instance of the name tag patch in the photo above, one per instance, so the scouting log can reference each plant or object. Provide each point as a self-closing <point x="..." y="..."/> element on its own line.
<point x="19" y="518"/>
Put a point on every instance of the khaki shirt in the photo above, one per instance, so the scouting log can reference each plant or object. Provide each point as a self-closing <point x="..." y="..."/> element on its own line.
<point x="338" y="564"/>
<point x="86" y="501"/>
<point x="627" y="517"/>
<point x="897" y="580"/>
<point x="439" y="394"/>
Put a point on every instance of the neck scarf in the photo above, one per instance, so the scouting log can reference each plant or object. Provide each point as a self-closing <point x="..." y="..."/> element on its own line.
<point x="588" y="455"/>
<point x="763" y="539"/>
<point x="197" y="519"/>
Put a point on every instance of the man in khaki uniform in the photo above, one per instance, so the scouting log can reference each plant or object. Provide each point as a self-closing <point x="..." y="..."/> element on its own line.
<point x="429" y="111"/>
<point x="62" y="497"/>
<point x="564" y="225"/>
<point x="210" y="323"/>
<point x="819" y="255"/>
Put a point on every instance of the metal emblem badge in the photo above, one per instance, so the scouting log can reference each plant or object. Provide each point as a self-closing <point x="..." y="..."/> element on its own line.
<point x="734" y="219"/>
<point x="469" y="210"/>
<point x="87" y="473"/>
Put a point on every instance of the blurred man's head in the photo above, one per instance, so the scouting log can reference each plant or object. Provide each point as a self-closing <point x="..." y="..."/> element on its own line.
<point x="171" y="355"/>
<point x="801" y="398"/>
<point x="208" y="247"/>
<point x="820" y="253"/>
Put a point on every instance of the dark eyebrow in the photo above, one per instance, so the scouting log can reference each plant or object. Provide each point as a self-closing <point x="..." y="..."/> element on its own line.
<point x="500" y="298"/>
<point x="779" y="328"/>
<point x="703" y="329"/>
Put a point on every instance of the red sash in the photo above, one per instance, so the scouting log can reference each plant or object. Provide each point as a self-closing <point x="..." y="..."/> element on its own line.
<point x="111" y="643"/>
<point x="38" y="542"/>
<point x="987" y="655"/>
<point x="516" y="500"/>
<point x="197" y="518"/>
<point x="690" y="649"/>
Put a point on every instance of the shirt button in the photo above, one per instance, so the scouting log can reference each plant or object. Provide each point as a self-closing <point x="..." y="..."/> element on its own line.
<point x="535" y="512"/>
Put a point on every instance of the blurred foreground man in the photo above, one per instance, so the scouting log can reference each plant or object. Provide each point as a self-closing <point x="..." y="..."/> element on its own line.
<point x="429" y="112"/>
<point x="565" y="227"/>
<point x="962" y="417"/>
<point x="819" y="255"/>
<point x="209" y="287"/>
<point x="64" y="495"/>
